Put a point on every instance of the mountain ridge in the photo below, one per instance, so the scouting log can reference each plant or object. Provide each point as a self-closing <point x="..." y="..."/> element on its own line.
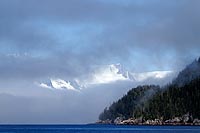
<point x="104" y="75"/>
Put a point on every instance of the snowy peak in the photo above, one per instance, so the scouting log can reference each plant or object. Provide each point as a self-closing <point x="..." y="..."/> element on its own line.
<point x="138" y="77"/>
<point x="115" y="68"/>
<point x="61" y="84"/>
<point x="119" y="69"/>
<point x="58" y="84"/>
<point x="107" y="74"/>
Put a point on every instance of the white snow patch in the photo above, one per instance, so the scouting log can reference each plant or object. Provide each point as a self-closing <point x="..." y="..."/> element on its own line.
<point x="62" y="84"/>
<point x="43" y="85"/>
<point x="106" y="74"/>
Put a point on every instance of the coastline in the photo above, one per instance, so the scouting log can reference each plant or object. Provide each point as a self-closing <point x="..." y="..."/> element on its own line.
<point x="144" y="124"/>
<point x="185" y="120"/>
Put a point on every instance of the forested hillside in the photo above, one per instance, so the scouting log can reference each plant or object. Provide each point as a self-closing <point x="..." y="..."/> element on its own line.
<point x="173" y="102"/>
<point x="125" y="106"/>
<point x="152" y="102"/>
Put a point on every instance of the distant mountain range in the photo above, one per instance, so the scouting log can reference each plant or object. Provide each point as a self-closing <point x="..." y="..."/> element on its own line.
<point x="104" y="75"/>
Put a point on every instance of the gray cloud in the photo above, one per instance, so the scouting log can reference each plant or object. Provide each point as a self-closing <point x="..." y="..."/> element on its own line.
<point x="124" y="27"/>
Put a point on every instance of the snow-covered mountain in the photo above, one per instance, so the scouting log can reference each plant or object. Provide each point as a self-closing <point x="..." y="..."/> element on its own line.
<point x="104" y="75"/>
<point x="60" y="84"/>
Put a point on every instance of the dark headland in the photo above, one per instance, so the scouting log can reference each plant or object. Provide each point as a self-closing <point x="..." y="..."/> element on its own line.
<point x="176" y="103"/>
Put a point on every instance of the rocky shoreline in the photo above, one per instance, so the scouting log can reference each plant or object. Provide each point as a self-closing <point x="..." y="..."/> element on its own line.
<point x="184" y="120"/>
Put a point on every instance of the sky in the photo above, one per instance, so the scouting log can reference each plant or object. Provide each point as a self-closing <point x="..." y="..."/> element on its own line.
<point x="66" y="39"/>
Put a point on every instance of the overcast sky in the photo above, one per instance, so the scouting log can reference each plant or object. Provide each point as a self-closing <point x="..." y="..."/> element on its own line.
<point x="40" y="39"/>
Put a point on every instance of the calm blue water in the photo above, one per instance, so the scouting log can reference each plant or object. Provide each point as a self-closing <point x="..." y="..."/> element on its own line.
<point x="96" y="129"/>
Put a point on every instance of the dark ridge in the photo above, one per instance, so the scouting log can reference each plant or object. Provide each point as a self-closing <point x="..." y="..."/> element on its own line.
<point x="177" y="99"/>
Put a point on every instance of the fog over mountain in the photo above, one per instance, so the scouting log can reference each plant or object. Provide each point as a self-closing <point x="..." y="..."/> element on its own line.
<point x="59" y="59"/>
<point x="109" y="74"/>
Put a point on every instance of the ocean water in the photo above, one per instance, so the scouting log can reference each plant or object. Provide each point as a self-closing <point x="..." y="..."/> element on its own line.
<point x="96" y="129"/>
